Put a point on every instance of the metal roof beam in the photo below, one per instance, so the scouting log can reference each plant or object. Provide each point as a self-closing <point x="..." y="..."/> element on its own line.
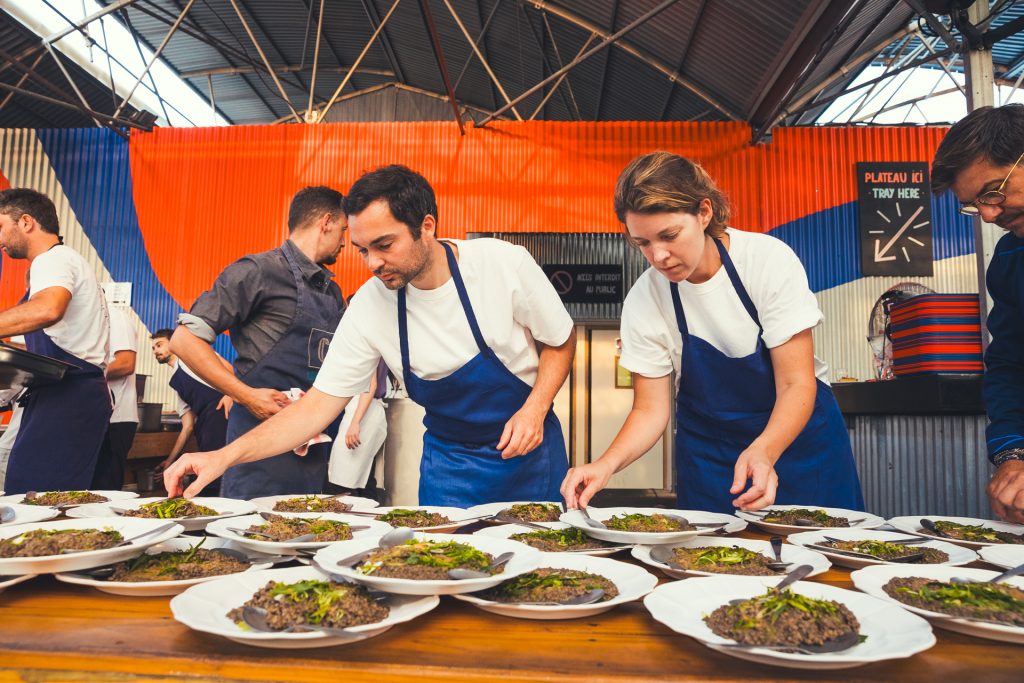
<point x="483" y="32"/>
<point x="686" y="53"/>
<point x="385" y="42"/>
<point x="289" y="69"/>
<point x="24" y="77"/>
<point x="547" y="64"/>
<point x="558" y="55"/>
<point x="561" y="78"/>
<point x="602" y="86"/>
<point x="933" y="22"/>
<point x="479" y="55"/>
<point x="614" y="39"/>
<point x="54" y="37"/>
<point x="263" y="56"/>
<point x="435" y="43"/>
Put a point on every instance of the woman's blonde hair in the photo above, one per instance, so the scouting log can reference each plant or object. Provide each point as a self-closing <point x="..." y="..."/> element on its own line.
<point x="662" y="182"/>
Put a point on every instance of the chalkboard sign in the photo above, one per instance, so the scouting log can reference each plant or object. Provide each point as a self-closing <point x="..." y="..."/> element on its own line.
<point x="586" y="283"/>
<point x="895" y="211"/>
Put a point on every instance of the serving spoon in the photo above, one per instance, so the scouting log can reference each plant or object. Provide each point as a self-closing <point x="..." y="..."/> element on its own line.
<point x="460" y="574"/>
<point x="128" y="541"/>
<point x="590" y="521"/>
<point x="304" y="538"/>
<point x="1008" y="574"/>
<point x="666" y="555"/>
<point x="393" y="538"/>
<point x="256" y="619"/>
<point x="843" y="642"/>
<point x="587" y="598"/>
<point x="7" y="514"/>
<point x="913" y="557"/>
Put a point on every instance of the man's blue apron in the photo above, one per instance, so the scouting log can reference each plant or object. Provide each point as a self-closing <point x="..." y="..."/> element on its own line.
<point x="62" y="427"/>
<point x="211" y="427"/>
<point x="466" y="413"/>
<point x="292" y="362"/>
<point x="724" y="403"/>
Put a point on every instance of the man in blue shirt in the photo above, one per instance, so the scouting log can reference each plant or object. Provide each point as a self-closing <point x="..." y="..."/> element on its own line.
<point x="981" y="160"/>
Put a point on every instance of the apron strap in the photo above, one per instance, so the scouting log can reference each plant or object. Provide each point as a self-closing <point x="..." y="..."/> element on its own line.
<point x="460" y="286"/>
<point x="737" y="284"/>
<point x="678" y="306"/>
<point x="403" y="335"/>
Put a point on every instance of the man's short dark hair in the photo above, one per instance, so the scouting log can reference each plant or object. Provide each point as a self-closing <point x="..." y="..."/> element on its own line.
<point x="162" y="333"/>
<point x="995" y="134"/>
<point x="310" y="203"/>
<point x="18" y="201"/>
<point x="408" y="194"/>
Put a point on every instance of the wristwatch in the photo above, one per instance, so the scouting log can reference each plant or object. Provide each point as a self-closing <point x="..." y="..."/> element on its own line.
<point x="1007" y="455"/>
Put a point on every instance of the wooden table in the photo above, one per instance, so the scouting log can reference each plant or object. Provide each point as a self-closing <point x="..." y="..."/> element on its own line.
<point x="51" y="631"/>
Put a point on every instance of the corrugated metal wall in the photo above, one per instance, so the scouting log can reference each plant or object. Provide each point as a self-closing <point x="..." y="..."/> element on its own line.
<point x="913" y="465"/>
<point x="396" y="103"/>
<point x="26" y="164"/>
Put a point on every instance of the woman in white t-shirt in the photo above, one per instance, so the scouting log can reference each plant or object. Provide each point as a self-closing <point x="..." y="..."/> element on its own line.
<point x="731" y="313"/>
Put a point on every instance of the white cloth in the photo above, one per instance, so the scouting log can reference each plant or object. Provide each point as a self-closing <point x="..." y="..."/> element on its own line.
<point x="7" y="441"/>
<point x="350" y="467"/>
<point x="294" y="394"/>
<point x="122" y="389"/>
<point x="514" y="304"/>
<point x="84" y="332"/>
<point x="773" y="277"/>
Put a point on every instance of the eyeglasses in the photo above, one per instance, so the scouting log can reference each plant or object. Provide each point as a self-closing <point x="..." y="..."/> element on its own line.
<point x="991" y="198"/>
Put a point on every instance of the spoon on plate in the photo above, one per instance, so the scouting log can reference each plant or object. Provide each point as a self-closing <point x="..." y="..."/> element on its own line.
<point x="587" y="598"/>
<point x="590" y="521"/>
<point x="929" y="526"/>
<point x="1008" y="574"/>
<point x="460" y="574"/>
<point x="393" y="538"/>
<point x="304" y="538"/>
<point x="843" y="642"/>
<point x="791" y="578"/>
<point x="666" y="555"/>
<point x="256" y="619"/>
<point x="7" y="514"/>
<point x="128" y="541"/>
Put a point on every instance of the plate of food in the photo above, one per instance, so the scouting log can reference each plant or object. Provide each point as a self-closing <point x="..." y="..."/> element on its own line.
<point x="8" y="581"/>
<point x="71" y="544"/>
<point x="750" y="619"/>
<point x="651" y="526"/>
<point x="1005" y="556"/>
<point x="13" y="513"/>
<point x="791" y="519"/>
<point x="519" y="511"/>
<point x="270" y="532"/>
<point x="192" y="513"/>
<point x="856" y="548"/>
<point x="293" y="600"/>
<point x="967" y="531"/>
<point x="709" y="556"/>
<point x="314" y="502"/>
<point x="558" y="538"/>
<point x="423" y="517"/>
<point x="986" y="610"/>
<point x="65" y="499"/>
<point x="170" y="567"/>
<point x="548" y="591"/>
<point x="421" y="566"/>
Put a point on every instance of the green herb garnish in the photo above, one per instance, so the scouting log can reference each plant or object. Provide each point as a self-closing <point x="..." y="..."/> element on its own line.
<point x="985" y="596"/>
<point x="723" y="555"/>
<point x="770" y="606"/>
<point x="322" y="592"/>
<point x="445" y="555"/>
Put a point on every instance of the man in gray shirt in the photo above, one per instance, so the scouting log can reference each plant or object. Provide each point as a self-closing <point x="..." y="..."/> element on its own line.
<point x="281" y="308"/>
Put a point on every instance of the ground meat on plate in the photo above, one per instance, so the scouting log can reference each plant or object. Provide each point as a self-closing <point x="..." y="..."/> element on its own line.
<point x="560" y="540"/>
<point x="43" y="542"/>
<point x="723" y="560"/>
<point x="426" y="560"/>
<point x="532" y="512"/>
<point x="889" y="551"/>
<point x="175" y="508"/>
<point x="319" y="603"/>
<point x="808" y="517"/>
<point x="311" y="504"/>
<point x="650" y="524"/>
<point x="989" y="601"/>
<point x="783" y="618"/>
<point x="286" y="528"/>
<point x="976" y="533"/>
<point x="54" y="498"/>
<point x="550" y="585"/>
<point x="413" y="519"/>
<point x="179" y="565"/>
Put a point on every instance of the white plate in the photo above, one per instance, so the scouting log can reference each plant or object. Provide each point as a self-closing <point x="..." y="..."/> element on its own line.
<point x="225" y="507"/>
<point x="221" y="528"/>
<point x="507" y="530"/>
<point x="525" y="559"/>
<point x="8" y="581"/>
<point x="868" y="521"/>
<point x="575" y="518"/>
<point x="632" y="581"/>
<point x="912" y="525"/>
<point x="495" y="508"/>
<point x="151" y="588"/>
<point x="112" y="495"/>
<point x="204" y="607"/>
<point x="91" y="558"/>
<point x="267" y="503"/>
<point x="456" y="515"/>
<point x="871" y="579"/>
<point x="26" y="514"/>
<point x="790" y="553"/>
<point x="957" y="555"/>
<point x="892" y="633"/>
<point x="1004" y="555"/>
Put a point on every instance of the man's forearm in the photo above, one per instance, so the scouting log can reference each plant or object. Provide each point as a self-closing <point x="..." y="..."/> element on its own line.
<point x="552" y="369"/>
<point x="204" y="361"/>
<point x="27" y="317"/>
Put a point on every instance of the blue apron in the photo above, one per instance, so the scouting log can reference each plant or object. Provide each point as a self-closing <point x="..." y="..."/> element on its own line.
<point x="62" y="427"/>
<point x="211" y="426"/>
<point x="466" y="413"/>
<point x="292" y="362"/>
<point x="724" y="403"/>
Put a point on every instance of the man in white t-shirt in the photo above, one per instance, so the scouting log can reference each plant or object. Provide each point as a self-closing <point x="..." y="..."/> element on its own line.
<point x="482" y="340"/>
<point x="124" y="421"/>
<point x="63" y="316"/>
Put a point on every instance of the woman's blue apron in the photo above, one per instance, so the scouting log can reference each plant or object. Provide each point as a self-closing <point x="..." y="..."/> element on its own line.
<point x="211" y="427"/>
<point x="466" y="413"/>
<point x="62" y="427"/>
<point x="292" y="362"/>
<point x="724" y="403"/>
